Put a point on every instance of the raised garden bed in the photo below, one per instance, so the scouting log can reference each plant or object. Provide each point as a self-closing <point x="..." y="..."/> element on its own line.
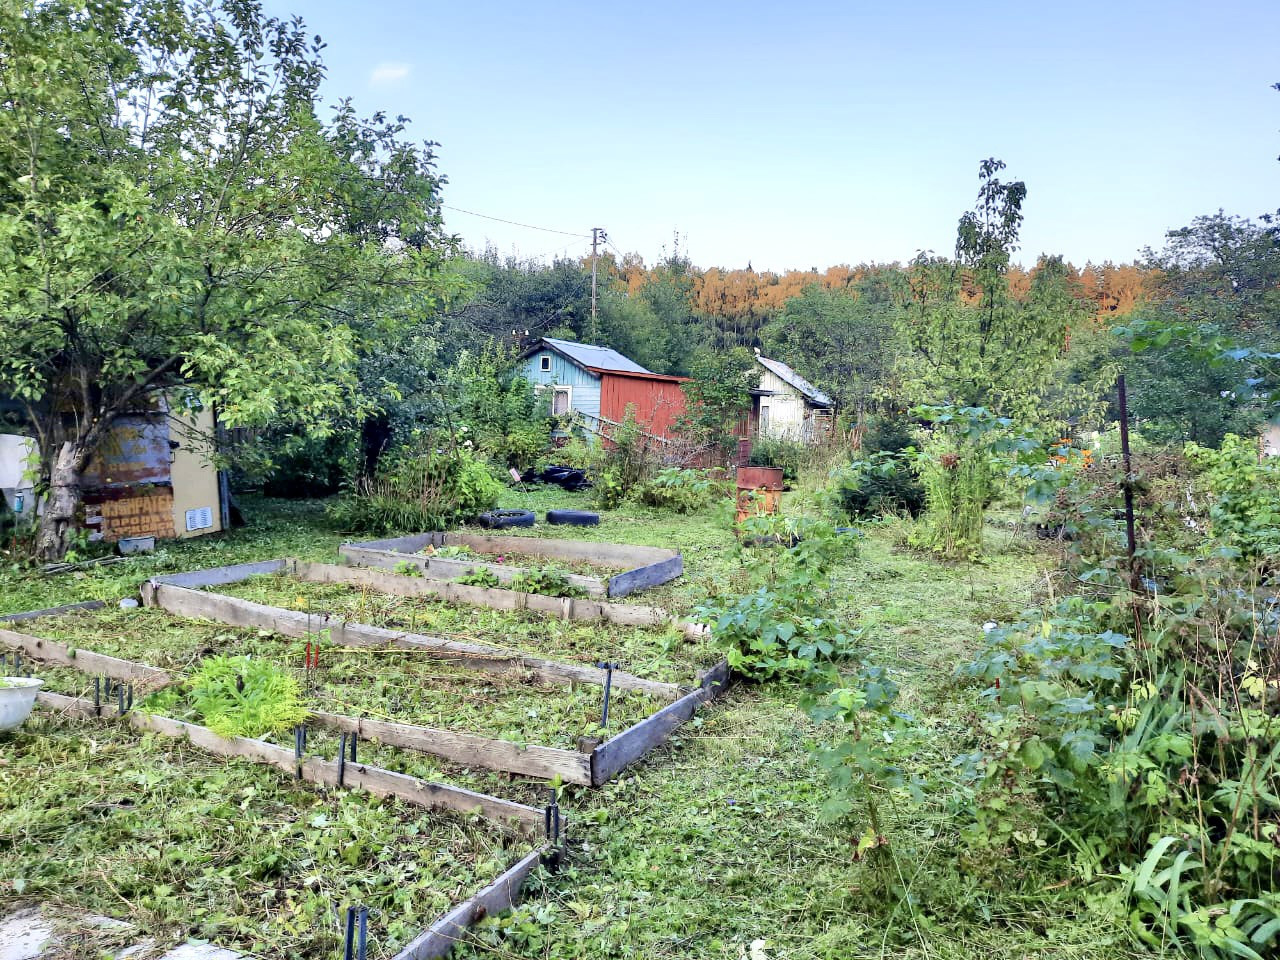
<point x="531" y="716"/>
<point x="666" y="652"/>
<point x="186" y="844"/>
<point x="639" y="567"/>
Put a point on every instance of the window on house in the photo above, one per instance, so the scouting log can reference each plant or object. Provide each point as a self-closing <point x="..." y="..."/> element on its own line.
<point x="545" y="360"/>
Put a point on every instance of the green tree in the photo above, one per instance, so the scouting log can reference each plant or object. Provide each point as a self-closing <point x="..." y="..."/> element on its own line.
<point x="1205" y="341"/>
<point x="845" y="341"/>
<point x="719" y="393"/>
<point x="174" y="214"/>
<point x="969" y="340"/>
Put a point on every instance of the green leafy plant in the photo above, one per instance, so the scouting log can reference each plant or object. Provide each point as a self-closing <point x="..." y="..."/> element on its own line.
<point x="545" y="580"/>
<point x="480" y="577"/>
<point x="244" y="697"/>
<point x="680" y="490"/>
<point x="875" y="485"/>
<point x="1244" y="505"/>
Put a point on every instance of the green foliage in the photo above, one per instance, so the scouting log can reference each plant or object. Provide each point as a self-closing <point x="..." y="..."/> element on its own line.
<point x="245" y="697"/>
<point x="480" y="577"/>
<point x="791" y="455"/>
<point x="547" y="581"/>
<point x="155" y="245"/>
<point x="783" y="627"/>
<point x="1205" y="359"/>
<point x="1245" y="494"/>
<point x="970" y="341"/>
<point x="718" y="394"/>
<point x="680" y="490"/>
<point x="877" y="484"/>
<point x="491" y="407"/>
<point x="419" y="488"/>
<point x="618" y="469"/>
<point x="846" y="340"/>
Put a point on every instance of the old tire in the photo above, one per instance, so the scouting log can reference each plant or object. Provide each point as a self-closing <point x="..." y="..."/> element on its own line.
<point x="574" y="518"/>
<point x="501" y="519"/>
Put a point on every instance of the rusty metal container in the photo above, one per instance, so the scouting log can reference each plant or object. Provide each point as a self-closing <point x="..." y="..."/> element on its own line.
<point x="759" y="491"/>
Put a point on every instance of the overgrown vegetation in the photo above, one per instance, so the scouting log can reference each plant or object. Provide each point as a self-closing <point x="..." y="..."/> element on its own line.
<point x="237" y="696"/>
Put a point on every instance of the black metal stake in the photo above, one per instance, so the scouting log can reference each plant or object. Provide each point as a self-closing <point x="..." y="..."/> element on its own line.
<point x="129" y="702"/>
<point x="120" y="699"/>
<point x="299" y="747"/>
<point x="1134" y="581"/>
<point x="608" y="685"/>
<point x="354" y="737"/>
<point x="551" y="818"/>
<point x="347" y="953"/>
<point x="363" y="937"/>
<point x="342" y="759"/>
<point x="97" y="696"/>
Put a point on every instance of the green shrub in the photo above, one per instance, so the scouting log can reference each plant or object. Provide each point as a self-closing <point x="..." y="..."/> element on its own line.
<point x="790" y="455"/>
<point x="875" y="485"/>
<point x="419" y="489"/>
<point x="680" y="490"/>
<point x="1245" y="489"/>
<point x="245" y="697"/>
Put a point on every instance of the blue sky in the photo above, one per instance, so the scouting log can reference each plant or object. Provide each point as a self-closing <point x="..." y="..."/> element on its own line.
<point x="809" y="134"/>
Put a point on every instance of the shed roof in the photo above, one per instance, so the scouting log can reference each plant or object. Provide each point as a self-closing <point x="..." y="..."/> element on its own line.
<point x="589" y="356"/>
<point x="781" y="370"/>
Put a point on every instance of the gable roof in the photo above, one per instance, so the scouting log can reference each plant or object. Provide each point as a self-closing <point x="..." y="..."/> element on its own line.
<point x="587" y="355"/>
<point x="787" y="375"/>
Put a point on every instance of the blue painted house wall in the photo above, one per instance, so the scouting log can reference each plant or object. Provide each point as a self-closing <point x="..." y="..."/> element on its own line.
<point x="585" y="385"/>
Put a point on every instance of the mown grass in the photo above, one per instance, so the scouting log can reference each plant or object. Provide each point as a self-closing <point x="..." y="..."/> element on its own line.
<point x="715" y="841"/>
<point x="95" y="818"/>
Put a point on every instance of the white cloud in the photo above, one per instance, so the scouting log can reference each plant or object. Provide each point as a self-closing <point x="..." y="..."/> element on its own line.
<point x="385" y="74"/>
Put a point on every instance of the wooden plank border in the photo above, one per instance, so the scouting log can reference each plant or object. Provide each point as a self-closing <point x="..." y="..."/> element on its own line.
<point x="374" y="780"/>
<point x="186" y="602"/>
<point x="449" y="570"/>
<point x="497" y="898"/>
<point x="645" y="566"/>
<point x="86" y="661"/>
<point x="467" y="749"/>
<point x="376" y="576"/>
<point x="218" y="576"/>
<point x="619" y="752"/>
<point x="52" y="611"/>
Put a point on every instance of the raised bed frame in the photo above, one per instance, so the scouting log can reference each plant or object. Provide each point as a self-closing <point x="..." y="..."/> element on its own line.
<point x="643" y="566"/>
<point x="437" y="940"/>
<point x="177" y="594"/>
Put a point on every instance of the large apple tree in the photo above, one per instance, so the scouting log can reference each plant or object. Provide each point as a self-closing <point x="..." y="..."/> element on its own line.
<point x="175" y="214"/>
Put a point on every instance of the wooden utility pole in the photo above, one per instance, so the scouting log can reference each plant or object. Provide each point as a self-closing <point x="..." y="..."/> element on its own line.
<point x="598" y="236"/>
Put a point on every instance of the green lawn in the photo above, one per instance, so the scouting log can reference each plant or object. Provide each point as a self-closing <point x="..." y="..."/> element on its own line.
<point x="715" y="841"/>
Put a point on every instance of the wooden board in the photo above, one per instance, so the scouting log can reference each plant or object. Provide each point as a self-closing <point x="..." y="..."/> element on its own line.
<point x="495" y="598"/>
<point x="217" y="576"/>
<point x="619" y="752"/>
<point x="495" y="899"/>
<point x="86" y="661"/>
<point x="448" y="568"/>
<point x="382" y="783"/>
<point x="545" y="763"/>
<point x="644" y="577"/>
<point x="295" y="623"/>
<point x="52" y="611"/>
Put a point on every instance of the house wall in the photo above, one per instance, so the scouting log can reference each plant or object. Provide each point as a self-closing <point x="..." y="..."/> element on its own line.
<point x="194" y="476"/>
<point x="585" y="385"/>
<point x="786" y="409"/>
<point x="658" y="403"/>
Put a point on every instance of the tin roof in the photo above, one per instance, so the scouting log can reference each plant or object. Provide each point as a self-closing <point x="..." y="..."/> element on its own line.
<point x="785" y="373"/>
<point x="590" y="356"/>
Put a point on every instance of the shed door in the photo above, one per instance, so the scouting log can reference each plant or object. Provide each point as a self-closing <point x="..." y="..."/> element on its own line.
<point x="560" y="400"/>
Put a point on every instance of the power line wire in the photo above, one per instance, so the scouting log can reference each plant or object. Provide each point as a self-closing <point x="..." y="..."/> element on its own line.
<point x="513" y="223"/>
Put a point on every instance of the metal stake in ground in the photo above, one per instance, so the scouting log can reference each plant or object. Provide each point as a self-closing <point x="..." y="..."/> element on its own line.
<point x="608" y="685"/>
<point x="551" y="816"/>
<point x="299" y="748"/>
<point x="1135" y="582"/>
<point x="342" y="759"/>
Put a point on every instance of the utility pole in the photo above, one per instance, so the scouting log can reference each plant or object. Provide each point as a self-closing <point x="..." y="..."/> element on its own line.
<point x="598" y="236"/>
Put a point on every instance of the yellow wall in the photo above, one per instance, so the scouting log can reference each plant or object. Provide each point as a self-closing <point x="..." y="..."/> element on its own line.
<point x="195" y="479"/>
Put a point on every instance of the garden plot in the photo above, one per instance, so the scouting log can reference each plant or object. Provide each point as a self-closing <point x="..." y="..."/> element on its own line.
<point x="183" y="844"/>
<point x="620" y="569"/>
<point x="664" y="653"/>
<point x="459" y="723"/>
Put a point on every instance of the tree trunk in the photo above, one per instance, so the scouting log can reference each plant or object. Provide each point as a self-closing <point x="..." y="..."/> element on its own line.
<point x="62" y="506"/>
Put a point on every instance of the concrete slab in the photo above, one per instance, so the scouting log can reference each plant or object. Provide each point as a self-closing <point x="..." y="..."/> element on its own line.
<point x="24" y="935"/>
